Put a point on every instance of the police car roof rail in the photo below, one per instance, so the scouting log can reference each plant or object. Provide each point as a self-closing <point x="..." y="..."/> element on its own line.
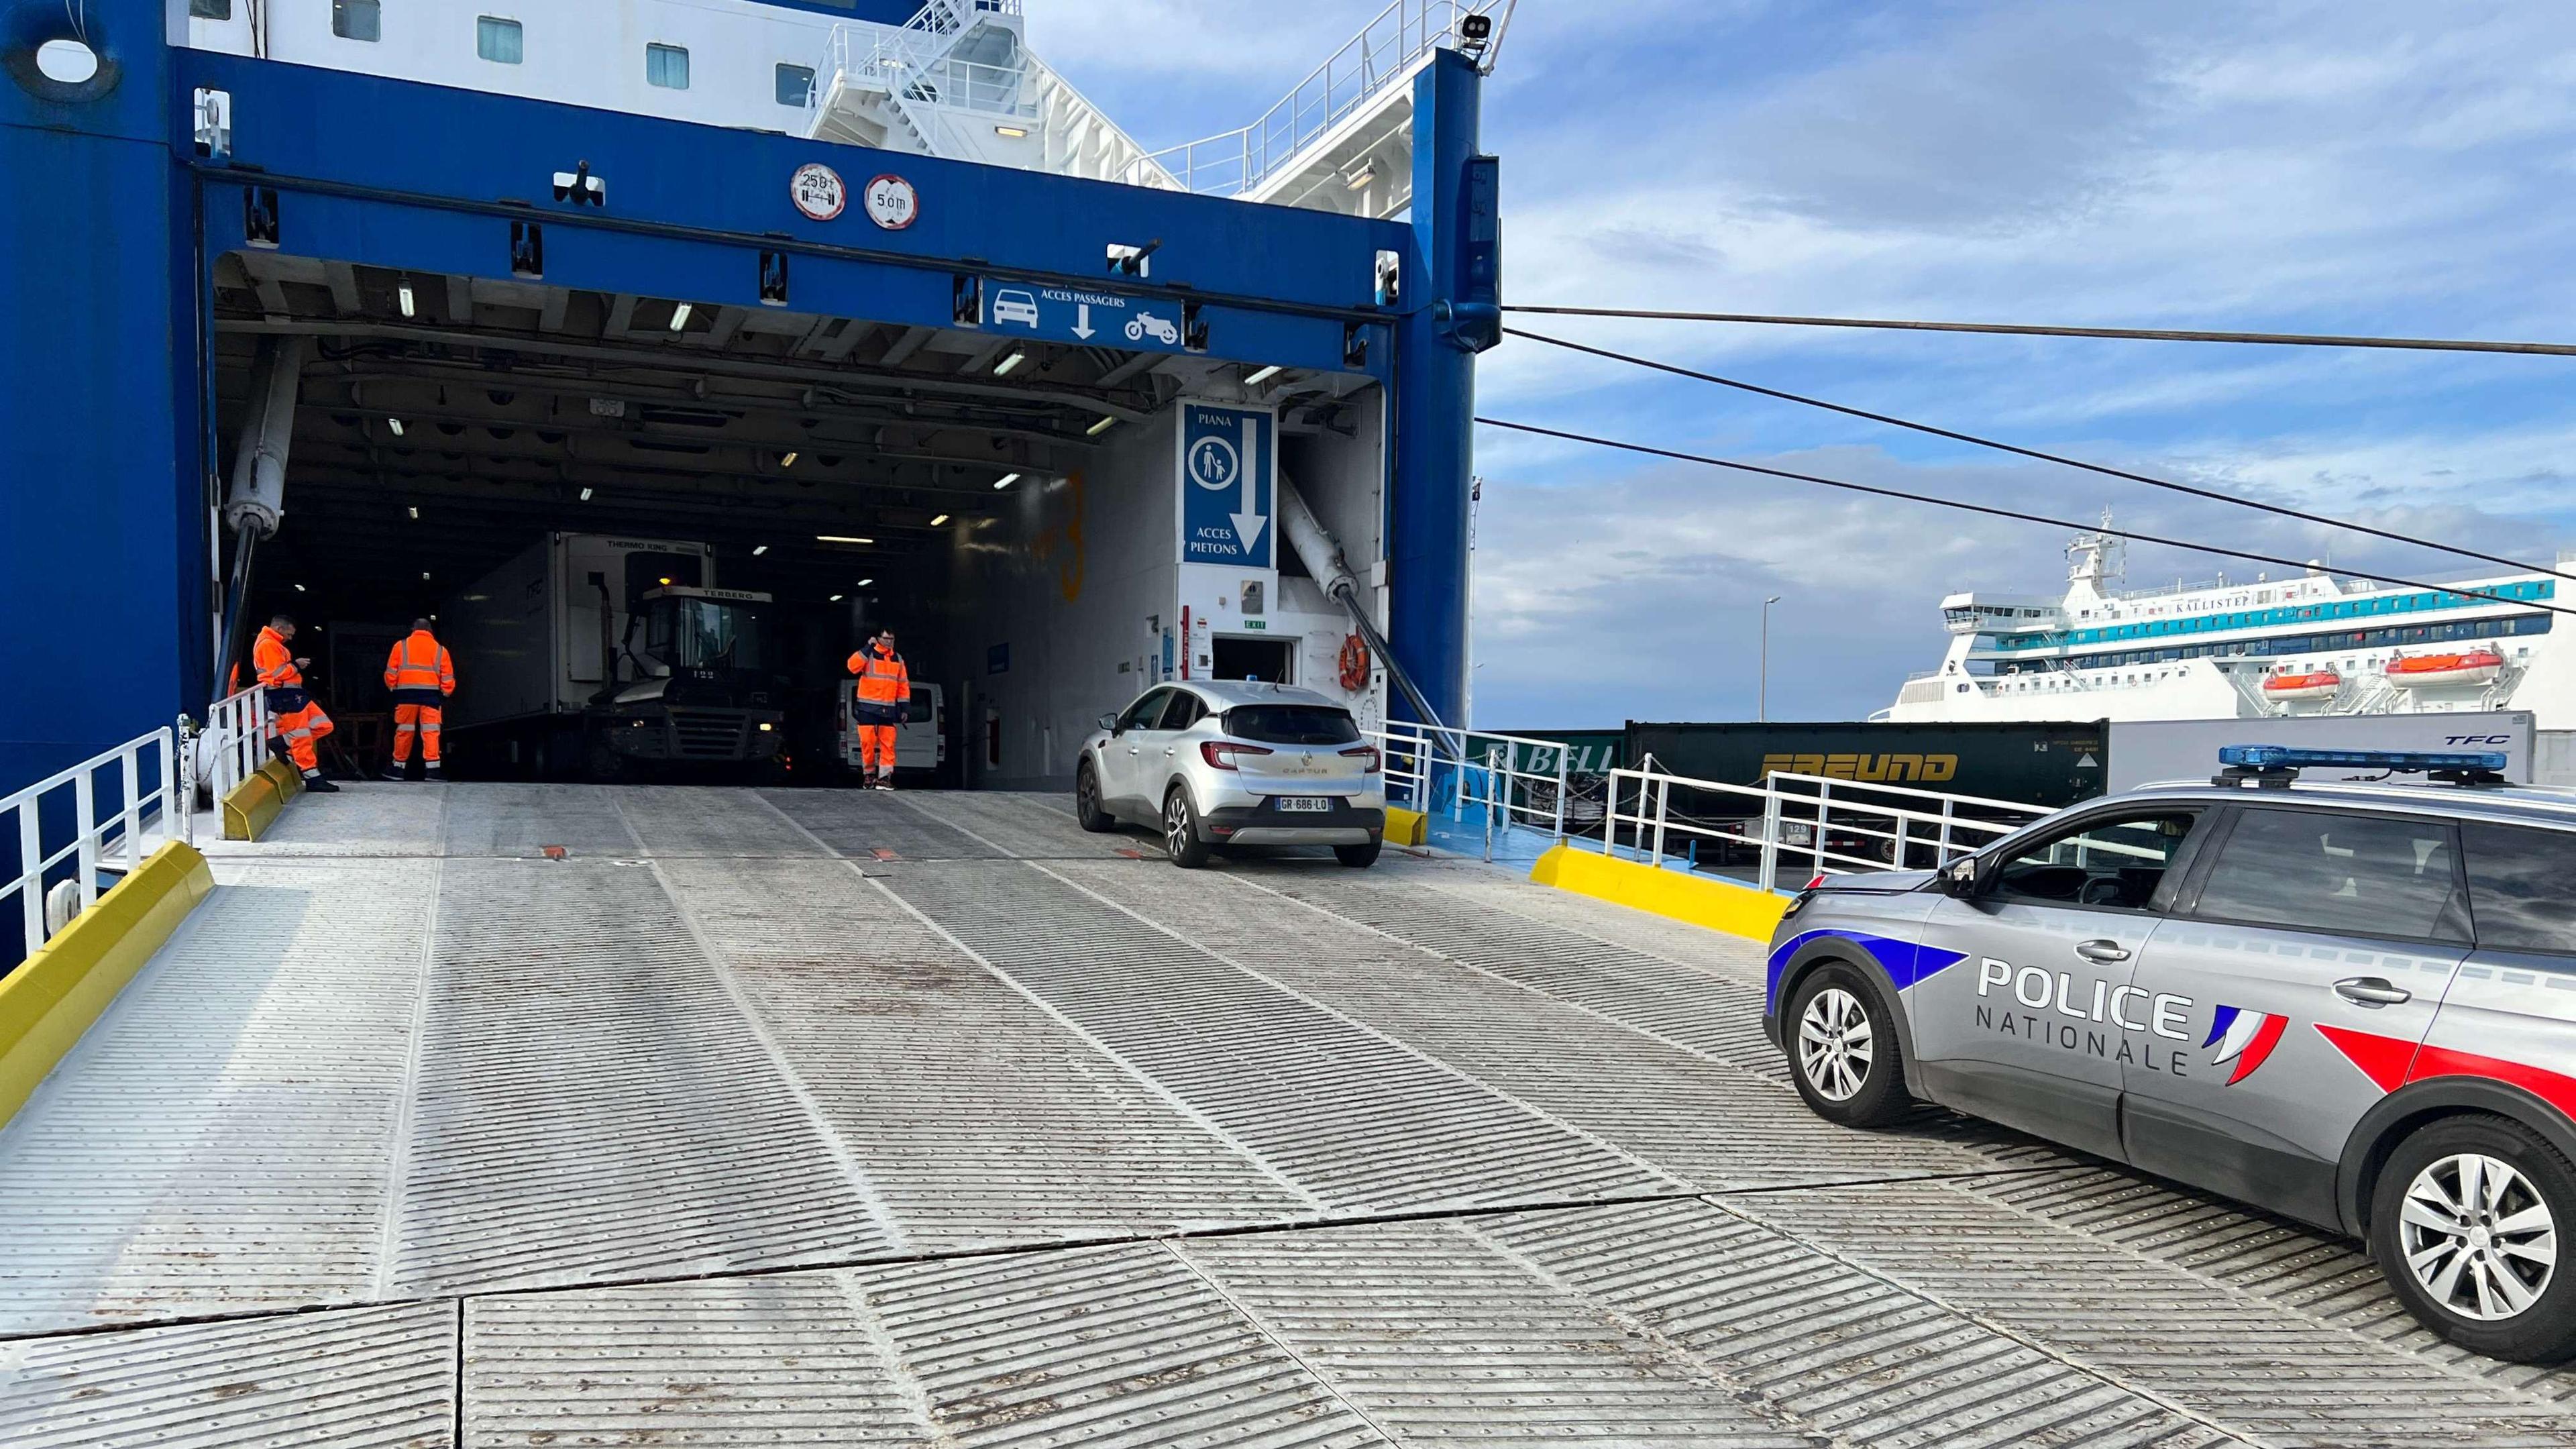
<point x="2273" y="767"/>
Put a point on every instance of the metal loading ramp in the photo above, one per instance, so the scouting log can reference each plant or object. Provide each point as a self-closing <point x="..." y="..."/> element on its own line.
<point x="775" y="1117"/>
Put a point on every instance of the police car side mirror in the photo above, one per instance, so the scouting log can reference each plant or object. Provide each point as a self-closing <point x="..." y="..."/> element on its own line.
<point x="1959" y="877"/>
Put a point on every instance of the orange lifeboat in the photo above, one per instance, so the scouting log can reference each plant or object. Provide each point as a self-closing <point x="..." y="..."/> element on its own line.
<point x="2473" y="666"/>
<point x="2320" y="684"/>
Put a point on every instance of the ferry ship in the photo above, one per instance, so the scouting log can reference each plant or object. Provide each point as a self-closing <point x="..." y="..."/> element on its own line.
<point x="950" y="78"/>
<point x="2318" y="643"/>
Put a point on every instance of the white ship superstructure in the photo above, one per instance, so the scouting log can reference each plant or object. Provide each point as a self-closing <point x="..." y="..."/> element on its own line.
<point x="2314" y="643"/>
<point x="950" y="78"/>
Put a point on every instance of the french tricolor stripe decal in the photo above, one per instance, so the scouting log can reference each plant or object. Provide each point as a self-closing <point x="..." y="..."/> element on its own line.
<point x="2245" y="1038"/>
<point x="1906" y="962"/>
<point x="2392" y="1062"/>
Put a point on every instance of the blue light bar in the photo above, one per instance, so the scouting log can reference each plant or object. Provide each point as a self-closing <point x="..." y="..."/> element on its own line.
<point x="2282" y="757"/>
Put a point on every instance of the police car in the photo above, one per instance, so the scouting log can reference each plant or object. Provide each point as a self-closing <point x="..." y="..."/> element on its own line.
<point x="2353" y="1004"/>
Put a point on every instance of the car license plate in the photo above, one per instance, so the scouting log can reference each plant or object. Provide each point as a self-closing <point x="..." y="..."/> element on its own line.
<point x="1318" y="804"/>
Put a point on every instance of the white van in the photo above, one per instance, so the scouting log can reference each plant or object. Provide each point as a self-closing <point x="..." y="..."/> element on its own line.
<point x="920" y="743"/>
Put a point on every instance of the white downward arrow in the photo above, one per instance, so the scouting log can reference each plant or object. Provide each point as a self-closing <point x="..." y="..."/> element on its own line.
<point x="1249" y="523"/>
<point x="1082" y="320"/>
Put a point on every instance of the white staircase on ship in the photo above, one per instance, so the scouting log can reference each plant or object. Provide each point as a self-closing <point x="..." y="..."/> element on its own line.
<point x="958" y="81"/>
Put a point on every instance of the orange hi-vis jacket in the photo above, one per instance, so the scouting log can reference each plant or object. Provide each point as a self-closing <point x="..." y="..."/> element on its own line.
<point x="882" y="677"/>
<point x="420" y="662"/>
<point x="885" y="685"/>
<point x="275" y="662"/>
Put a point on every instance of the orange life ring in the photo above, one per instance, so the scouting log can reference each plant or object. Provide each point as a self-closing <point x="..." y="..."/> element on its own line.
<point x="1355" y="664"/>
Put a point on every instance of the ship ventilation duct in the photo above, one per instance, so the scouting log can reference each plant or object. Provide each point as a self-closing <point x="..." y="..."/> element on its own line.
<point x="257" y="498"/>
<point x="1321" y="553"/>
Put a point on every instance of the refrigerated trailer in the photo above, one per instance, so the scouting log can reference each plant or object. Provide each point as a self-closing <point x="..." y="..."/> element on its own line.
<point x="598" y="655"/>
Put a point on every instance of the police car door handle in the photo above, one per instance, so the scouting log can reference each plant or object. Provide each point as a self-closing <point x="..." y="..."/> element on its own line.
<point x="2372" y="991"/>
<point x="2101" y="951"/>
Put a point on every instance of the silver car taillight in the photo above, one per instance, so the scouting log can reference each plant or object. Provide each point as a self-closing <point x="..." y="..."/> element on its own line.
<point x="1220" y="753"/>
<point x="1367" y="753"/>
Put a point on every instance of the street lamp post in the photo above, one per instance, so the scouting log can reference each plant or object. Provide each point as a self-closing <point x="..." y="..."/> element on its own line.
<point x="1762" y="680"/>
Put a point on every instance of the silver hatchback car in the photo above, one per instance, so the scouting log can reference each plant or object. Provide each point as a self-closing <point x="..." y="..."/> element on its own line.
<point x="1221" y="764"/>
<point x="2351" y="1004"/>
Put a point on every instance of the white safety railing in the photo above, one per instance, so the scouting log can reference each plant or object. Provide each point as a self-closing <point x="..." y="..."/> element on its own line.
<point x="1824" y="826"/>
<point x="1501" y="780"/>
<point x="234" y="741"/>
<point x="104" y="814"/>
<point x="1387" y="51"/>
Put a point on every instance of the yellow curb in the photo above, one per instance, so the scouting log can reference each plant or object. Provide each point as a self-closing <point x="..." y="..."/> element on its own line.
<point x="252" y="805"/>
<point x="1404" y="827"/>
<point x="1737" y="910"/>
<point x="55" y="994"/>
<point x="290" y="781"/>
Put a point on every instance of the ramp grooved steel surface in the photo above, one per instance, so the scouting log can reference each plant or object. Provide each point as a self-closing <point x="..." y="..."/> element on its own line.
<point x="676" y="820"/>
<point x="817" y="1121"/>
<point x="522" y="820"/>
<point x="222" y="1138"/>
<point x="1618" y="1084"/>
<point x="1022" y="825"/>
<point x="594" y="1103"/>
<point x="857" y="823"/>
<point x="367" y="818"/>
<point x="981" y="1119"/>
<point x="1682" y="1004"/>
<point x="755" y="1361"/>
<point x="1435" y="1336"/>
<point x="1180" y="910"/>
<point x="407" y="1100"/>
<point x="2148" y="1323"/>
<point x="2326" y="1280"/>
<point x="367" y="1378"/>
<point x="1360" y="1123"/>
<point x="1086" y="1346"/>
<point x="1836" y="1348"/>
<point x="1707" y="1014"/>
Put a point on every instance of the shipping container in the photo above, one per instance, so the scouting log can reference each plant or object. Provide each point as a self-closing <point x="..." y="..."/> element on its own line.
<point x="2045" y="764"/>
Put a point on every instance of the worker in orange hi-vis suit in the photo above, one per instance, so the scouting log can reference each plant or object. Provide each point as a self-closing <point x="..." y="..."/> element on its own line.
<point x="421" y="676"/>
<point x="885" y="701"/>
<point x="298" y="719"/>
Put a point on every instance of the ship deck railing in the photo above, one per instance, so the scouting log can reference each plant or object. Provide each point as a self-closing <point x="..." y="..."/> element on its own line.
<point x="1388" y="50"/>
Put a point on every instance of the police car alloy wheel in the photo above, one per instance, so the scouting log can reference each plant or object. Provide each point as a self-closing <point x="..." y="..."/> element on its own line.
<point x="1843" y="1050"/>
<point x="2467" y="1222"/>
<point x="1834" y="1043"/>
<point x="2478" y="1238"/>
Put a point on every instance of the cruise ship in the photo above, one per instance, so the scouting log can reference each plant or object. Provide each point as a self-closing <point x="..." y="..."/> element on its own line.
<point x="2317" y="643"/>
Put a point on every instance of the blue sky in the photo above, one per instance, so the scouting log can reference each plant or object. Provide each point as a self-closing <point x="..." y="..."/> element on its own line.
<point x="2358" y="166"/>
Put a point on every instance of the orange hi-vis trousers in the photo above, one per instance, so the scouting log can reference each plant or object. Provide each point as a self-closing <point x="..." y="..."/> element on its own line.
<point x="300" y="729"/>
<point x="876" y="749"/>
<point x="416" y="719"/>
